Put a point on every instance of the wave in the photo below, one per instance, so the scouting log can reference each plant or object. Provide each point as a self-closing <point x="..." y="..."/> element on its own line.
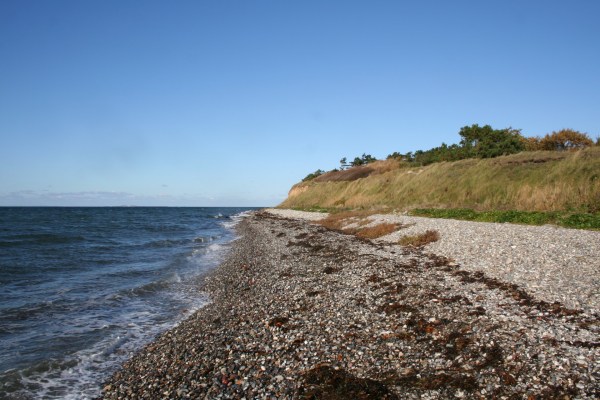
<point x="156" y="286"/>
<point x="12" y="316"/>
<point x="81" y="301"/>
<point x="235" y="219"/>
<point x="204" y="239"/>
<point x="165" y="243"/>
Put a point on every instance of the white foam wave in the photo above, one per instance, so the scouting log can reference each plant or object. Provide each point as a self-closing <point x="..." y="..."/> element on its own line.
<point x="235" y="219"/>
<point x="79" y="375"/>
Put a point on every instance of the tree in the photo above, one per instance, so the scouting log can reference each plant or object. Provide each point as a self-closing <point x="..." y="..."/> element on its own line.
<point x="367" y="158"/>
<point x="343" y="164"/>
<point x="486" y="142"/>
<point x="362" y="160"/>
<point x="313" y="175"/>
<point x="357" y="161"/>
<point x="566" y="139"/>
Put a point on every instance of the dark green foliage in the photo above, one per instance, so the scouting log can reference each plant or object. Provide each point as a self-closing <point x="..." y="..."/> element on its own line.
<point x="486" y="142"/>
<point x="444" y="152"/>
<point x="357" y="161"/>
<point x="477" y="142"/>
<point x="344" y="164"/>
<point x="566" y="219"/>
<point x="313" y="175"/>
<point x="363" y="160"/>
<point x="581" y="221"/>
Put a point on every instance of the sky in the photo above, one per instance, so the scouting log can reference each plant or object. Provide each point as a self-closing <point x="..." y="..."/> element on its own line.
<point x="229" y="103"/>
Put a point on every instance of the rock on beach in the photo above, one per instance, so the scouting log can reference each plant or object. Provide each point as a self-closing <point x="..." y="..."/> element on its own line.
<point x="302" y="312"/>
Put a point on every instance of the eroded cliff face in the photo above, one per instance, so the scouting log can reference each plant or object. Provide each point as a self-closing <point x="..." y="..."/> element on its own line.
<point x="297" y="189"/>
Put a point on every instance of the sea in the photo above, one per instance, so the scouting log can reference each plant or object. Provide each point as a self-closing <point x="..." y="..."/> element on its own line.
<point x="81" y="289"/>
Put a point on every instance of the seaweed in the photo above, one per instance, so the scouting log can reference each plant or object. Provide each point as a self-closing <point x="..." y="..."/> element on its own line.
<point x="326" y="383"/>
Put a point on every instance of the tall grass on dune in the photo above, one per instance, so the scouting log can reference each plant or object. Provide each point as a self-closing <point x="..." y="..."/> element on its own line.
<point x="528" y="181"/>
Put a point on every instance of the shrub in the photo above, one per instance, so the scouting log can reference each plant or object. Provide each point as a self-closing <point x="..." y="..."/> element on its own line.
<point x="421" y="240"/>
<point x="486" y="142"/>
<point x="362" y="160"/>
<point x="336" y="221"/>
<point x="373" y="232"/>
<point x="313" y="175"/>
<point x="531" y="143"/>
<point x="565" y="139"/>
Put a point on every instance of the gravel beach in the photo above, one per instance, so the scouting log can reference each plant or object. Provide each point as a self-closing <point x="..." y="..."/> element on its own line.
<point x="302" y="312"/>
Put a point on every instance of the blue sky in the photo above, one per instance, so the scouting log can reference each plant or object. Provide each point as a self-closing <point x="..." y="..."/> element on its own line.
<point x="206" y="103"/>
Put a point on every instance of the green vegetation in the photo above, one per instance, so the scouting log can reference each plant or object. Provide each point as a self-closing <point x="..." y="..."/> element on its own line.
<point x="483" y="142"/>
<point x="313" y="175"/>
<point x="358" y="161"/>
<point x="486" y="142"/>
<point x="477" y="142"/>
<point x="562" y="218"/>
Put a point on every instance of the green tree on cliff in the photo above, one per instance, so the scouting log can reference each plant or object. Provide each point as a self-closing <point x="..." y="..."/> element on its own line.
<point x="486" y="142"/>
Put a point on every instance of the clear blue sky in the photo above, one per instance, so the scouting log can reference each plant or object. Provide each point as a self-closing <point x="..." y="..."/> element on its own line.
<point x="231" y="102"/>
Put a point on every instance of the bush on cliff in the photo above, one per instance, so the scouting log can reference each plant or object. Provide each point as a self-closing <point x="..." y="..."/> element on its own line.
<point x="313" y="175"/>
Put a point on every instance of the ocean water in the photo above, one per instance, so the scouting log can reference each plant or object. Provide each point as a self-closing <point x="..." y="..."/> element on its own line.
<point x="81" y="289"/>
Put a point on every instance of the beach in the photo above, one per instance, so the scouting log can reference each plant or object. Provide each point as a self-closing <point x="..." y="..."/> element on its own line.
<point x="301" y="312"/>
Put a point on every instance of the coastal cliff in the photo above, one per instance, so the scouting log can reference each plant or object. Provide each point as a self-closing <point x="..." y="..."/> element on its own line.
<point x="528" y="181"/>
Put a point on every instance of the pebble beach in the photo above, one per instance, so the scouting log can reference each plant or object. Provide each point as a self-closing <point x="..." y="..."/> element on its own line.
<point x="298" y="311"/>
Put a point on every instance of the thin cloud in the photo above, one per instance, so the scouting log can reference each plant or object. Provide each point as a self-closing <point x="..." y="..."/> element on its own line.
<point x="108" y="198"/>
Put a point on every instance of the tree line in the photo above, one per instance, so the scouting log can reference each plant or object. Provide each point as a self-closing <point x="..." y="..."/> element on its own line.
<point x="480" y="142"/>
<point x="486" y="142"/>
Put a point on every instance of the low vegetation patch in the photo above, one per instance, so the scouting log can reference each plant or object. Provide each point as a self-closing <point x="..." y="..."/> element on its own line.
<point x="373" y="232"/>
<point x="337" y="221"/>
<point x="327" y="383"/>
<point x="420" y="240"/>
<point x="561" y="218"/>
<point x="354" y="223"/>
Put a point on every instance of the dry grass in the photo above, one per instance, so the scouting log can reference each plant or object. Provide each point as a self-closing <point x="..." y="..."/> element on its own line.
<point x="373" y="232"/>
<point x="357" y="219"/>
<point x="337" y="221"/>
<point x="533" y="157"/>
<point x="420" y="240"/>
<point x="354" y="173"/>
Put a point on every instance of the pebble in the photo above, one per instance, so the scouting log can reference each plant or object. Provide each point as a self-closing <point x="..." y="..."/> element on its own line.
<point x="370" y="323"/>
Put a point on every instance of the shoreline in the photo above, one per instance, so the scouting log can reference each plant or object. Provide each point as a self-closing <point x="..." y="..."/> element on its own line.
<point x="298" y="311"/>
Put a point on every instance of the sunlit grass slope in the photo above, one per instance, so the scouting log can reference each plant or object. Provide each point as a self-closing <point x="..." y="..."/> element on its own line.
<point x="529" y="181"/>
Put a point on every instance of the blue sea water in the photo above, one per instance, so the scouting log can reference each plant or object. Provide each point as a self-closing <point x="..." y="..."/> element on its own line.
<point x="81" y="289"/>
